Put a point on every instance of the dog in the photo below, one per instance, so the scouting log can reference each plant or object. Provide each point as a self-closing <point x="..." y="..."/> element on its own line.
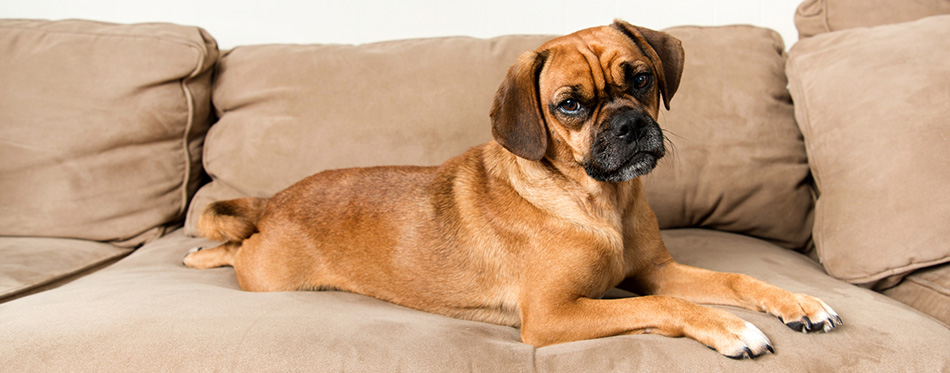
<point x="528" y="230"/>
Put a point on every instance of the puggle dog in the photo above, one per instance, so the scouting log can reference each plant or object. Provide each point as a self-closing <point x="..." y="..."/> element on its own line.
<point x="529" y="230"/>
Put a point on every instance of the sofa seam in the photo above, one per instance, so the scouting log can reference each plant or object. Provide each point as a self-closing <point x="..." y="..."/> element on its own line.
<point x="824" y="16"/>
<point x="189" y="99"/>
<point x="170" y="38"/>
<point x="66" y="274"/>
<point x="189" y="126"/>
<point x="942" y="290"/>
<point x="202" y="59"/>
<point x="893" y="271"/>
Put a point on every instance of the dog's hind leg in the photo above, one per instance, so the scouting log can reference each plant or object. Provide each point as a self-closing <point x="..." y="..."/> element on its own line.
<point x="219" y="256"/>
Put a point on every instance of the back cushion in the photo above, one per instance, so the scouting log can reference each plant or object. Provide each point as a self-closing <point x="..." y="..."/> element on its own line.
<point x="288" y="111"/>
<point x="814" y="17"/>
<point x="738" y="162"/>
<point x="101" y="127"/>
<point x="874" y="106"/>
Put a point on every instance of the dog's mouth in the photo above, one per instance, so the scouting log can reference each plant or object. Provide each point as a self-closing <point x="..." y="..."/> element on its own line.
<point x="621" y="158"/>
<point x="640" y="163"/>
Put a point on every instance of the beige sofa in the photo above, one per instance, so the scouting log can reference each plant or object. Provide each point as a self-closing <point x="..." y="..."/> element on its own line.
<point x="112" y="137"/>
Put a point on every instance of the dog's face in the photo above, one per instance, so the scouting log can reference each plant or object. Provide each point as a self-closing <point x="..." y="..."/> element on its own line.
<point x="591" y="98"/>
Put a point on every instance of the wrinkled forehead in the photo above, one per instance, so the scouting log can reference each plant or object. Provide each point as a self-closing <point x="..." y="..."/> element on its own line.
<point x="589" y="60"/>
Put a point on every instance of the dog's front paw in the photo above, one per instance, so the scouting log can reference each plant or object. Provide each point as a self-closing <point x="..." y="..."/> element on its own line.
<point x="808" y="314"/>
<point x="751" y="343"/>
<point x="733" y="337"/>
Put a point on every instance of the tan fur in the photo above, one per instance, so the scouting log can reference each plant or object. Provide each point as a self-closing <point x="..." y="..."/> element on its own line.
<point x="515" y="231"/>
<point x="231" y="221"/>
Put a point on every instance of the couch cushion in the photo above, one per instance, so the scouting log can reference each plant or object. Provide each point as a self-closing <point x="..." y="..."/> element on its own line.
<point x="147" y="312"/>
<point x="814" y="17"/>
<point x="288" y="111"/>
<point x="101" y="127"/>
<point x="872" y="104"/>
<point x="738" y="162"/>
<point x="927" y="290"/>
<point x="30" y="264"/>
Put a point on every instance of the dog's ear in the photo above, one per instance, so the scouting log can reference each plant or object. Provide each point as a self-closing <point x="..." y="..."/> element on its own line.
<point x="516" y="120"/>
<point x="664" y="50"/>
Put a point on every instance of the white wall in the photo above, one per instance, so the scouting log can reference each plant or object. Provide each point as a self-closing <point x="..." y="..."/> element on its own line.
<point x="238" y="22"/>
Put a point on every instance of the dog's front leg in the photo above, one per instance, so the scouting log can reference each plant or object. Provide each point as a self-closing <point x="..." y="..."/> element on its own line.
<point x="799" y="311"/>
<point x="547" y="321"/>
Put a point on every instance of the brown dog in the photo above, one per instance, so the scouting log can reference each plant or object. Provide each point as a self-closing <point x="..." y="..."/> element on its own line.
<point x="529" y="230"/>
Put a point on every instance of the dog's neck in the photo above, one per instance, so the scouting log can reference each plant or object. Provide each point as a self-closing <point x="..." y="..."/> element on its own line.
<point x="603" y="201"/>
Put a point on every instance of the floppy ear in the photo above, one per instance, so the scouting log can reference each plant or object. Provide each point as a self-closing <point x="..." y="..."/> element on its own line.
<point x="664" y="50"/>
<point x="516" y="120"/>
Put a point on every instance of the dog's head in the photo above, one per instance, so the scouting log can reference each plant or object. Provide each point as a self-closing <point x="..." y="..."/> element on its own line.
<point x="592" y="98"/>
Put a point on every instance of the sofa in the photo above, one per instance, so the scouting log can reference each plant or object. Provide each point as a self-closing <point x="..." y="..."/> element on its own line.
<point x="822" y="169"/>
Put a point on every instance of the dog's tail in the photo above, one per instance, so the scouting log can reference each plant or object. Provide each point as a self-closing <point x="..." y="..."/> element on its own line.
<point x="231" y="221"/>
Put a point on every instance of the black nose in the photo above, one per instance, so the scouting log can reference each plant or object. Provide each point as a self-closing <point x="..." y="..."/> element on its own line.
<point x="624" y="130"/>
<point x="627" y="126"/>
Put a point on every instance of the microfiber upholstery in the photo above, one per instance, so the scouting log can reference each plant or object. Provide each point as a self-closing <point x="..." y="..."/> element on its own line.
<point x="148" y="312"/>
<point x="872" y="106"/>
<point x="288" y="111"/>
<point x="101" y="127"/>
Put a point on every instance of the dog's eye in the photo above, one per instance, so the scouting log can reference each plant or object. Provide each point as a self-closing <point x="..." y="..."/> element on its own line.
<point x="570" y="106"/>
<point x="642" y="80"/>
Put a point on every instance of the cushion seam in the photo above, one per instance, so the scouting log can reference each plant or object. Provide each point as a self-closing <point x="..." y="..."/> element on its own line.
<point x="895" y="270"/>
<point x="189" y="127"/>
<point x="15" y="292"/>
<point x="824" y="16"/>
<point x="929" y="285"/>
<point x="164" y="38"/>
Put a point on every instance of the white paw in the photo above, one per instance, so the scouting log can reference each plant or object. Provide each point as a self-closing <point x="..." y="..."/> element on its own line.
<point x="751" y="343"/>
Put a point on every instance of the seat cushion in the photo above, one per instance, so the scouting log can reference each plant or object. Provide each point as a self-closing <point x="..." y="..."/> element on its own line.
<point x="927" y="290"/>
<point x="148" y="312"/>
<point x="101" y="127"/>
<point x="33" y="263"/>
